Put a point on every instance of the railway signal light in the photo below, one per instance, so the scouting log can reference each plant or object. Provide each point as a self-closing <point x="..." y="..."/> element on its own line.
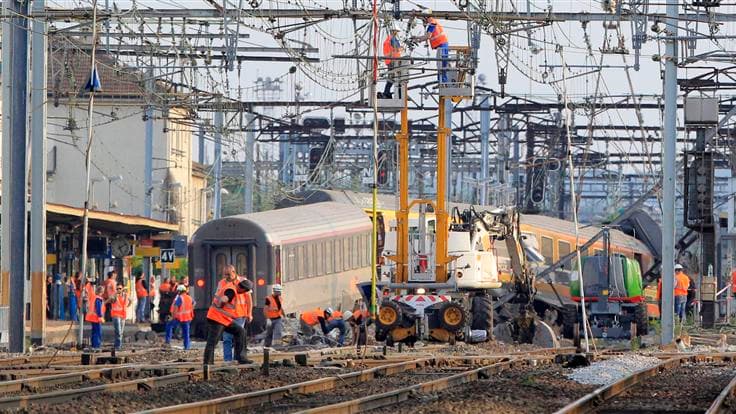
<point x="538" y="180"/>
<point x="315" y="154"/>
<point x="383" y="167"/>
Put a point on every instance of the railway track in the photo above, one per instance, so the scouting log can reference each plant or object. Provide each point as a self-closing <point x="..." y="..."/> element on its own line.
<point x="59" y="392"/>
<point x="344" y="387"/>
<point x="704" y="383"/>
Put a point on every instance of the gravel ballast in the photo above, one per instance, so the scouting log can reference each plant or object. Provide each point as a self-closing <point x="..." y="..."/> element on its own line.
<point x="611" y="370"/>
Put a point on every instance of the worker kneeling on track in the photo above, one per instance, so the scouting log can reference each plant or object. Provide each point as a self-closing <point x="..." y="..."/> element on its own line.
<point x="328" y="320"/>
<point x="221" y="318"/>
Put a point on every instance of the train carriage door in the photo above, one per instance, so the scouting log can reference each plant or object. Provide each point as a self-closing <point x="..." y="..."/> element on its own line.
<point x="238" y="256"/>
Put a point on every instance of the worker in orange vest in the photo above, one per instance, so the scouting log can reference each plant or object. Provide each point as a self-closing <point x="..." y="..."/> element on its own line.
<point x="359" y="320"/>
<point x="274" y="312"/>
<point x="221" y="318"/>
<point x="110" y="285"/>
<point x="328" y="320"/>
<point x="182" y="313"/>
<point x="309" y="319"/>
<point x="336" y="320"/>
<point x="141" y="294"/>
<point x="391" y="50"/>
<point x="118" y="304"/>
<point x="243" y="310"/>
<point x="682" y="283"/>
<point x="95" y="315"/>
<point x="151" y="297"/>
<point x="437" y="38"/>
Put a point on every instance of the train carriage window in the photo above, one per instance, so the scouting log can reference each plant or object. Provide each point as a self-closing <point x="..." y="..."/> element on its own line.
<point x="220" y="262"/>
<point x="329" y="258"/>
<point x="548" y="249"/>
<point x="241" y="264"/>
<point x="302" y="262"/>
<point x="563" y="249"/>
<point x="319" y="254"/>
<point x="338" y="256"/>
<point x="310" y="260"/>
<point x="355" y="252"/>
<point x="367" y="246"/>
<point x="294" y="263"/>
<point x="346" y="253"/>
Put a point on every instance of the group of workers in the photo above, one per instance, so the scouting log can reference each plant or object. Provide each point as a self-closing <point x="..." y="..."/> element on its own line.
<point x="392" y="49"/>
<point x="109" y="302"/>
<point x="231" y="311"/>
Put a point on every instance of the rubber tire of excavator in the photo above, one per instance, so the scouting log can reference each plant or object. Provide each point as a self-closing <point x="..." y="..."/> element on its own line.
<point x="482" y="314"/>
<point x="642" y="319"/>
<point x="569" y="319"/>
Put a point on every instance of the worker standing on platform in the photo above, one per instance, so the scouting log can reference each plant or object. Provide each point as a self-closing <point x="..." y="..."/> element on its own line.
<point x="182" y="313"/>
<point x="95" y="316"/>
<point x="118" y="304"/>
<point x="274" y="314"/>
<point x="391" y="51"/>
<point x="682" y="283"/>
<point x="142" y="294"/>
<point x="221" y="317"/>
<point x="151" y="297"/>
<point x="73" y="298"/>
<point x="437" y="40"/>
<point x="243" y="310"/>
<point x="110" y="284"/>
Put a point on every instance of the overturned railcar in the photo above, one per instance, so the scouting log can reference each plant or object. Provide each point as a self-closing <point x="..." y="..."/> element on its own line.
<point x="317" y="252"/>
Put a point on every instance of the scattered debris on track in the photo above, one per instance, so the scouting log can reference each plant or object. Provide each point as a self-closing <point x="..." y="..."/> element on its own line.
<point x="610" y="370"/>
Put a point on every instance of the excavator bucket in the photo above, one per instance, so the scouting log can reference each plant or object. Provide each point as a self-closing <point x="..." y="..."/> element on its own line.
<point x="526" y="329"/>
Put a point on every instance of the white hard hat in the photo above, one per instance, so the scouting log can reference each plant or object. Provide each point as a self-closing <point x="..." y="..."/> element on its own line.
<point x="678" y="267"/>
<point x="277" y="288"/>
<point x="427" y="11"/>
<point x="328" y="310"/>
<point x="347" y="315"/>
<point x="181" y="288"/>
<point x="396" y="27"/>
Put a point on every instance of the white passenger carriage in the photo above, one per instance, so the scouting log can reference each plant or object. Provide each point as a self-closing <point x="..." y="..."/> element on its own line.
<point x="318" y="252"/>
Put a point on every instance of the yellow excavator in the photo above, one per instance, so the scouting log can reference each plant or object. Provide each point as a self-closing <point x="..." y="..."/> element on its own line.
<point x="441" y="271"/>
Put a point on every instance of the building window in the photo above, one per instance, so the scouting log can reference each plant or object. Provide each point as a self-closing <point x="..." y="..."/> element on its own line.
<point x="548" y="249"/>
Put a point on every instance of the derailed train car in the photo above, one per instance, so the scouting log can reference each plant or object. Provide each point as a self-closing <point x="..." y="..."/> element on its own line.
<point x="317" y="252"/>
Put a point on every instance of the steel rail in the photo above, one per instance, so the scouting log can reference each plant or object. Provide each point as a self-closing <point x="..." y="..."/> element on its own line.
<point x="24" y="401"/>
<point x="590" y="401"/>
<point x="250" y="399"/>
<point x="375" y="401"/>
<point x="112" y="372"/>
<point x="717" y="406"/>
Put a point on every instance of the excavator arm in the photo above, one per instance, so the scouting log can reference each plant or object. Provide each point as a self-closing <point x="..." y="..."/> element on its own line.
<point x="504" y="225"/>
